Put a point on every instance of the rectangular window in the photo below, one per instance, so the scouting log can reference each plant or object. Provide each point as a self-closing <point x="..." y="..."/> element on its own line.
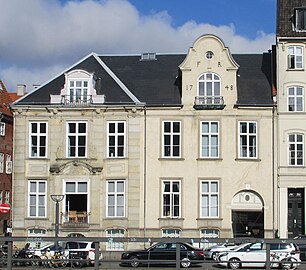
<point x="209" y="233"/>
<point x="8" y="164"/>
<point x="296" y="99"/>
<point x="115" y="245"/>
<point x="171" y="139"/>
<point x="7" y="197"/>
<point x="171" y="233"/>
<point x="1" y="197"/>
<point x="247" y="140"/>
<point x="37" y="198"/>
<point x="209" y="199"/>
<point x="209" y="139"/>
<point x="38" y="139"/>
<point x="78" y="91"/>
<point x="300" y="19"/>
<point x="171" y="199"/>
<point x="116" y="132"/>
<point x="2" y="129"/>
<point x="296" y="149"/>
<point x="295" y="57"/>
<point x="76" y="139"/>
<point x="1" y="162"/>
<point x="115" y="198"/>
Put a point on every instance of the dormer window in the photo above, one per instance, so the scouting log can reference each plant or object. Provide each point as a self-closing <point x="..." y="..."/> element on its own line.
<point x="78" y="91"/>
<point x="300" y="19"/>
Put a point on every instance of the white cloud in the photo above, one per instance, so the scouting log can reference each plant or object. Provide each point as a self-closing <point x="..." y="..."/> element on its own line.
<point x="40" y="37"/>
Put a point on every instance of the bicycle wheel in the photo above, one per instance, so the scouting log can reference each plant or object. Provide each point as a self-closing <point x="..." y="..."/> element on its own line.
<point x="77" y="262"/>
<point x="35" y="260"/>
<point x="289" y="263"/>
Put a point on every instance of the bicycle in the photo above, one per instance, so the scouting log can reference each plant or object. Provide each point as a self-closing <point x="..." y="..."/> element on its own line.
<point x="58" y="260"/>
<point x="284" y="260"/>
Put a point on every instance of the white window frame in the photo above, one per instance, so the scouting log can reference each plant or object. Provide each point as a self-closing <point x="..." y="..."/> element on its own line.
<point x="207" y="199"/>
<point x="35" y="233"/>
<point x="8" y="164"/>
<point x="36" y="151"/>
<point x="111" y="245"/>
<point x="76" y="135"/>
<point x="296" y="149"/>
<point x="7" y="197"/>
<point x="117" y="196"/>
<point x="208" y="233"/>
<point x="246" y="148"/>
<point x="1" y="162"/>
<point x="116" y="150"/>
<point x="209" y="79"/>
<point x="209" y="135"/>
<point x="169" y="150"/>
<point x="39" y="196"/>
<point x="168" y="210"/>
<point x="1" y="197"/>
<point x="2" y="129"/>
<point x="295" y="97"/>
<point x="299" y="24"/>
<point x="78" y="90"/>
<point x="295" y="58"/>
<point x="171" y="233"/>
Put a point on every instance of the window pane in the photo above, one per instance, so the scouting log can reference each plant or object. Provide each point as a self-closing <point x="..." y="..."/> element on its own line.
<point x="70" y="187"/>
<point x="82" y="187"/>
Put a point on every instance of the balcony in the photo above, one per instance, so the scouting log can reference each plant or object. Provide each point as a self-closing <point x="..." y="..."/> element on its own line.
<point x="77" y="100"/>
<point x="209" y="103"/>
<point x="75" y="219"/>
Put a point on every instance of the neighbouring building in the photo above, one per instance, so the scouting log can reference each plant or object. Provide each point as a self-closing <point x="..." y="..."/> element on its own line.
<point x="291" y="116"/>
<point x="154" y="145"/>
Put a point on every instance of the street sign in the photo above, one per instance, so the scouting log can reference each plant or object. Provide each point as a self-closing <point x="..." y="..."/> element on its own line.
<point x="5" y="208"/>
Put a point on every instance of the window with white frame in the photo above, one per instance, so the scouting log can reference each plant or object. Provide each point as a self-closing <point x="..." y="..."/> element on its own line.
<point x="247" y="140"/>
<point x="299" y="20"/>
<point x="208" y="233"/>
<point x="116" y="142"/>
<point x="38" y="139"/>
<point x="115" y="198"/>
<point x="77" y="139"/>
<point x="209" y="88"/>
<point x="171" y="139"/>
<point x="76" y="201"/>
<point x="35" y="234"/>
<point x="171" y="198"/>
<point x="295" y="57"/>
<point x="78" y="91"/>
<point x="8" y="164"/>
<point x="295" y="99"/>
<point x="7" y="197"/>
<point x="2" y="129"/>
<point x="296" y="149"/>
<point x="1" y="197"/>
<point x="112" y="233"/>
<point x="209" y="139"/>
<point x="1" y="162"/>
<point x="171" y="233"/>
<point x="209" y="198"/>
<point x="37" y="198"/>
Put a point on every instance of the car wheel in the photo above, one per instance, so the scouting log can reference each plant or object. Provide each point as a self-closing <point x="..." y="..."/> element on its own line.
<point x="134" y="262"/>
<point x="234" y="263"/>
<point x="215" y="256"/>
<point x="289" y="263"/>
<point x="185" y="263"/>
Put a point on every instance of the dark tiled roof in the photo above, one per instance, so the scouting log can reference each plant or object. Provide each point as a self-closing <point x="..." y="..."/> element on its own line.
<point x="285" y="12"/>
<point x="158" y="82"/>
<point x="5" y="100"/>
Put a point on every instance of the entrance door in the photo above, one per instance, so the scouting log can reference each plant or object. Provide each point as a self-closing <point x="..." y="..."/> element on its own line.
<point x="295" y="212"/>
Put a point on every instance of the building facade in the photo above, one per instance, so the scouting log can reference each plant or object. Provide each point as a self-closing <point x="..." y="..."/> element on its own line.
<point x="149" y="145"/>
<point x="291" y="83"/>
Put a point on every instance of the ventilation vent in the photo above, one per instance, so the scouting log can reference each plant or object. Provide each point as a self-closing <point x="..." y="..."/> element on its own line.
<point x="148" y="56"/>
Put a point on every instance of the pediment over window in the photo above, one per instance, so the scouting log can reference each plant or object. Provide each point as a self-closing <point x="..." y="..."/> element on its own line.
<point x="79" y="90"/>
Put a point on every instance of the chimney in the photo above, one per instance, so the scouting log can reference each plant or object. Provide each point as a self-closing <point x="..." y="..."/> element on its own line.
<point x="21" y="89"/>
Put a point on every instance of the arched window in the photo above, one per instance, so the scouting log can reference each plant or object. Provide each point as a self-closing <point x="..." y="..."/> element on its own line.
<point x="209" y="89"/>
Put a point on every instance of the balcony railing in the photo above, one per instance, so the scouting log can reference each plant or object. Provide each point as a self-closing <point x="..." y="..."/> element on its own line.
<point x="76" y="100"/>
<point x="75" y="217"/>
<point x="209" y="103"/>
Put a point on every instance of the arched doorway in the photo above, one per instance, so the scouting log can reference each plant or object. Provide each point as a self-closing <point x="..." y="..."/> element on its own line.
<point x="247" y="215"/>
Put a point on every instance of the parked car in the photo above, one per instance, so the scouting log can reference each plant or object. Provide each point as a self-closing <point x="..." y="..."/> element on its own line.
<point x="82" y="249"/>
<point x="163" y="251"/>
<point x="254" y="255"/>
<point x="302" y="246"/>
<point x="212" y="252"/>
<point x="42" y="250"/>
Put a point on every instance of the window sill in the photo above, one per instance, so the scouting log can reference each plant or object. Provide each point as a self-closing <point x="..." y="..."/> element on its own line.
<point x="40" y="218"/>
<point x="171" y="158"/>
<point x="171" y="218"/>
<point x="39" y="158"/>
<point x="209" y="159"/>
<point x="295" y="69"/>
<point x="209" y="218"/>
<point x="120" y="218"/>
<point x="248" y="159"/>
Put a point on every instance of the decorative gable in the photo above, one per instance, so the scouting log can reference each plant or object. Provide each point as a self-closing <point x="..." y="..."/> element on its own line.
<point x="209" y="75"/>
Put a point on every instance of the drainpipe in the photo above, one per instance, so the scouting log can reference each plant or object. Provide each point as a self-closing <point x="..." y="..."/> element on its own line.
<point x="145" y="174"/>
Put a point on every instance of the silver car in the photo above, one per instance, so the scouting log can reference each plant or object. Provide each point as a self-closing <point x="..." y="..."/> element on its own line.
<point x="212" y="252"/>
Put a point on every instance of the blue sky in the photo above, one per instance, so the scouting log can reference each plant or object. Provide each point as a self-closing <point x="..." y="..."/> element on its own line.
<point x="41" y="38"/>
